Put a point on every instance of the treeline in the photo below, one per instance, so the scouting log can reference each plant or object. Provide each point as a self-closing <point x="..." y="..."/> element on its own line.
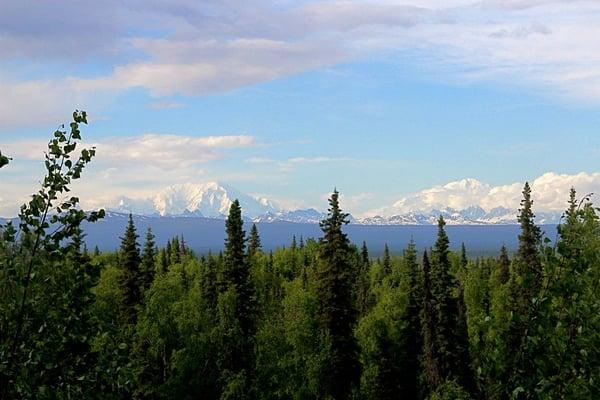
<point x="319" y="319"/>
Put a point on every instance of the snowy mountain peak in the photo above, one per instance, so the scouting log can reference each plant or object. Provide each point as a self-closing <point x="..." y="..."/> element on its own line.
<point x="207" y="199"/>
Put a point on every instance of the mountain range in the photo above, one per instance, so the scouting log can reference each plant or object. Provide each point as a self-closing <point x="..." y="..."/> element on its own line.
<point x="213" y="199"/>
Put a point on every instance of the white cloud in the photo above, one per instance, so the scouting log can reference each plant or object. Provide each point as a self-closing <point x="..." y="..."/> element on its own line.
<point x="550" y="192"/>
<point x="167" y="151"/>
<point x="130" y="165"/>
<point x="352" y="201"/>
<point x="218" y="46"/>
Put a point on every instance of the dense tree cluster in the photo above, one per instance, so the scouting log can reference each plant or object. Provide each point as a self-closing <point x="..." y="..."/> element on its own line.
<point x="319" y="319"/>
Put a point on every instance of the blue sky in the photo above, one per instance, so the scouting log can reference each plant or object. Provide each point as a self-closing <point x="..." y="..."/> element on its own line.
<point x="289" y="99"/>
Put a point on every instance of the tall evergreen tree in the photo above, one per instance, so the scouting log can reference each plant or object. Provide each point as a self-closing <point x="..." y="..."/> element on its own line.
<point x="254" y="245"/>
<point x="131" y="278"/>
<point x="237" y="281"/>
<point x="162" y="261"/>
<point x="413" y="331"/>
<point x="335" y="312"/>
<point x="175" y="251"/>
<point x="148" y="264"/>
<point x="363" y="284"/>
<point x="168" y="253"/>
<point x="442" y="285"/>
<point x="386" y="265"/>
<point x="450" y="341"/>
<point x="503" y="270"/>
<point x="293" y="245"/>
<point x="525" y="284"/>
<point x="528" y="267"/>
<point x="431" y="358"/>
<point x="461" y="333"/>
<point x="183" y="249"/>
<point x="464" y="261"/>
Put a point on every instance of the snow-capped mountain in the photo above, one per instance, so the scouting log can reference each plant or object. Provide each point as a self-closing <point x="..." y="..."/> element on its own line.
<point x="473" y="215"/>
<point x="210" y="200"/>
<point x="213" y="200"/>
<point x="308" y="216"/>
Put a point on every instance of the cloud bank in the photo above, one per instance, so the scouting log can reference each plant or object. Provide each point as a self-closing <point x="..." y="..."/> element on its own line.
<point x="194" y="48"/>
<point x="550" y="192"/>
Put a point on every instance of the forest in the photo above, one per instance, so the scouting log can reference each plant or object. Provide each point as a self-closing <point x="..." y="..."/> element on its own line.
<point x="317" y="319"/>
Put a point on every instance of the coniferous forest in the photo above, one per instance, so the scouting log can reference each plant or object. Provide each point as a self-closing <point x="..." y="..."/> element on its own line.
<point x="318" y="319"/>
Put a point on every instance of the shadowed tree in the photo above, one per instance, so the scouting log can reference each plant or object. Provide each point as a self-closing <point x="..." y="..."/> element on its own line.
<point x="148" y="264"/>
<point x="428" y="321"/>
<point x="236" y="305"/>
<point x="335" y="311"/>
<point x="503" y="270"/>
<point x="254" y="244"/>
<point x="131" y="277"/>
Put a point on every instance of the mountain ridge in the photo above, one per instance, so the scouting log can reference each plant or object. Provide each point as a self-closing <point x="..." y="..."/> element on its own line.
<point x="213" y="199"/>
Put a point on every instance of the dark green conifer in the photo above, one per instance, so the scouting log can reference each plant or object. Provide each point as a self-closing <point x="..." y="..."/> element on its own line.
<point x="175" y="251"/>
<point x="503" y="272"/>
<point x="293" y="245"/>
<point x="131" y="278"/>
<point x="168" y="252"/>
<point x="464" y="261"/>
<point x="525" y="283"/>
<point x="162" y="260"/>
<point x="208" y="281"/>
<point x="528" y="267"/>
<point x="183" y="250"/>
<point x="363" y="292"/>
<point x="450" y="323"/>
<point x="236" y="270"/>
<point x="442" y="285"/>
<point x="335" y="312"/>
<point x="413" y="344"/>
<point x="148" y="264"/>
<point x="386" y="265"/>
<point x="254" y="245"/>
<point x="428" y="325"/>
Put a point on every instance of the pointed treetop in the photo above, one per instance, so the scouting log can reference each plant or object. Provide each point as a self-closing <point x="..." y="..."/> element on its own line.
<point x="254" y="244"/>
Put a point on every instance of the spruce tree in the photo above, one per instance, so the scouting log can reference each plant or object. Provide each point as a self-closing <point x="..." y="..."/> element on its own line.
<point x="148" y="265"/>
<point x="363" y="292"/>
<point x="428" y="325"/>
<point x="236" y="277"/>
<point x="442" y="285"/>
<point x="386" y="265"/>
<point x="254" y="245"/>
<point x="168" y="252"/>
<point x="528" y="267"/>
<point x="450" y="322"/>
<point x="175" y="251"/>
<point x="461" y="332"/>
<point x="208" y="281"/>
<point x="131" y="278"/>
<point x="464" y="261"/>
<point x="503" y="270"/>
<point x="293" y="245"/>
<point x="162" y="261"/>
<point x="525" y="284"/>
<point x="183" y="249"/>
<point x="413" y="331"/>
<point x="335" y="312"/>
